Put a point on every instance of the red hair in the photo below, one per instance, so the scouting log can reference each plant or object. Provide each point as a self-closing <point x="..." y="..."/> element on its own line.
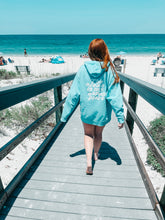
<point x="98" y="51"/>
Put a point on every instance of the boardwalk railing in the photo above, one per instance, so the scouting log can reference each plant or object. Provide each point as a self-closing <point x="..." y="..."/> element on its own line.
<point x="156" y="97"/>
<point x="10" y="96"/>
<point x="19" y="93"/>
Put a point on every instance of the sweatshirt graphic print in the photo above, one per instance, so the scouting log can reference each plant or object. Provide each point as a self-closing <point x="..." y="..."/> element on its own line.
<point x="96" y="90"/>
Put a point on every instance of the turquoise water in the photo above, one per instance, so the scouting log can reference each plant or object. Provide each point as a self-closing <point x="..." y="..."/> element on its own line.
<point x="78" y="44"/>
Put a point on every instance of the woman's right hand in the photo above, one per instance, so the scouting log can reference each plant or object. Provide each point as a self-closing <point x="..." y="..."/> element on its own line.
<point x="120" y="125"/>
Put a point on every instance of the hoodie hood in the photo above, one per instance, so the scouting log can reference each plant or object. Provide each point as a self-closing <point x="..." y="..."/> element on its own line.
<point x="94" y="68"/>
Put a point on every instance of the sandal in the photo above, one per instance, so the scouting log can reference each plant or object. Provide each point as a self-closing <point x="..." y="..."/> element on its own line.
<point x="89" y="171"/>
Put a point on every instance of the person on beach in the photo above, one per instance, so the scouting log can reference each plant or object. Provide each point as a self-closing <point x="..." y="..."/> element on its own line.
<point x="96" y="86"/>
<point x="1" y="61"/>
<point x="25" y="53"/>
<point x="159" y="55"/>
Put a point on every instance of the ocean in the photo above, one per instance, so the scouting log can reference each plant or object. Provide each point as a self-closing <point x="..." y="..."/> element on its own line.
<point x="138" y="44"/>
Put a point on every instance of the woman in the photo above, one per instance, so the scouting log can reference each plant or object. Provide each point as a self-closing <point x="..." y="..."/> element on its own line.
<point x="159" y="55"/>
<point x="96" y="86"/>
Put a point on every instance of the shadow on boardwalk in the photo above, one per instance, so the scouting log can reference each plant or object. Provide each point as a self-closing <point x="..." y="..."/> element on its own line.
<point x="106" y="152"/>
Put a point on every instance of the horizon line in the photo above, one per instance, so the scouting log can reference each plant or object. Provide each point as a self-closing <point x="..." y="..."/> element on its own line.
<point x="90" y="34"/>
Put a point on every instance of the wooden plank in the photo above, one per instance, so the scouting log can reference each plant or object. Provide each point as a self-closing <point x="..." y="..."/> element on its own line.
<point x="77" y="160"/>
<point x="102" y="156"/>
<point x="84" y="188"/>
<point x="104" y="152"/>
<point x="99" y="165"/>
<point x="81" y="171"/>
<point x="133" y="183"/>
<point x="81" y="198"/>
<point x="48" y="210"/>
<point x="15" y="217"/>
<point x="113" y="159"/>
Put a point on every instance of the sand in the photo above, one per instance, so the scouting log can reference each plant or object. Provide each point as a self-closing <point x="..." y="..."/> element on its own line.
<point x="137" y="66"/>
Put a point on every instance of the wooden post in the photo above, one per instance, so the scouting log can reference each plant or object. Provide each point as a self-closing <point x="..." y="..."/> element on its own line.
<point x="1" y="186"/>
<point x="122" y="86"/>
<point x="124" y="66"/>
<point x="57" y="99"/>
<point x="3" y="195"/>
<point x="133" y="102"/>
<point x="162" y="200"/>
<point x="121" y="82"/>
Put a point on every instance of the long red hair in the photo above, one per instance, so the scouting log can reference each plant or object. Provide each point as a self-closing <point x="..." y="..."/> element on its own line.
<point x="98" y="51"/>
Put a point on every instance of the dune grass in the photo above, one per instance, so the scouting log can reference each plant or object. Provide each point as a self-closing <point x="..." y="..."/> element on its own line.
<point x="19" y="118"/>
<point x="4" y="74"/>
<point x="157" y="130"/>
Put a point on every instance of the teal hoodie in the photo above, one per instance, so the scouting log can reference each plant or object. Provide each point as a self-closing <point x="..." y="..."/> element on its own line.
<point x="94" y="88"/>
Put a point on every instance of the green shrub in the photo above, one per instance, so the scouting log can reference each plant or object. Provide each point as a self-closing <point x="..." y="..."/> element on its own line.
<point x="55" y="74"/>
<point x="24" y="115"/>
<point x="4" y="74"/>
<point x="157" y="131"/>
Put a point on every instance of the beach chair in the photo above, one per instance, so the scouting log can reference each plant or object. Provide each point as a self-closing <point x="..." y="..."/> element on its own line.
<point x="159" y="71"/>
<point x="23" y="69"/>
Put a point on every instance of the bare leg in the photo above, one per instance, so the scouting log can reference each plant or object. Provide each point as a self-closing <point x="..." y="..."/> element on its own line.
<point x="97" y="140"/>
<point x="88" y="142"/>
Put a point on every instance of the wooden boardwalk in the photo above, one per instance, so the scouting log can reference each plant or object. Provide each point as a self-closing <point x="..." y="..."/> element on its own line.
<point x="57" y="188"/>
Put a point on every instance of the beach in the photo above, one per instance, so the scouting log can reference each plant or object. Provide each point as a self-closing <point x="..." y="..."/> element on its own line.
<point x="138" y="66"/>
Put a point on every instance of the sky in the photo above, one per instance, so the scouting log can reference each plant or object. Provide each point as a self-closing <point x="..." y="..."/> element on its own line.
<point x="82" y="17"/>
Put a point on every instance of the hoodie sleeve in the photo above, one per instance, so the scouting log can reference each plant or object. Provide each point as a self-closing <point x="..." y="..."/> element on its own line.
<point x="72" y="99"/>
<point x="114" y="97"/>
